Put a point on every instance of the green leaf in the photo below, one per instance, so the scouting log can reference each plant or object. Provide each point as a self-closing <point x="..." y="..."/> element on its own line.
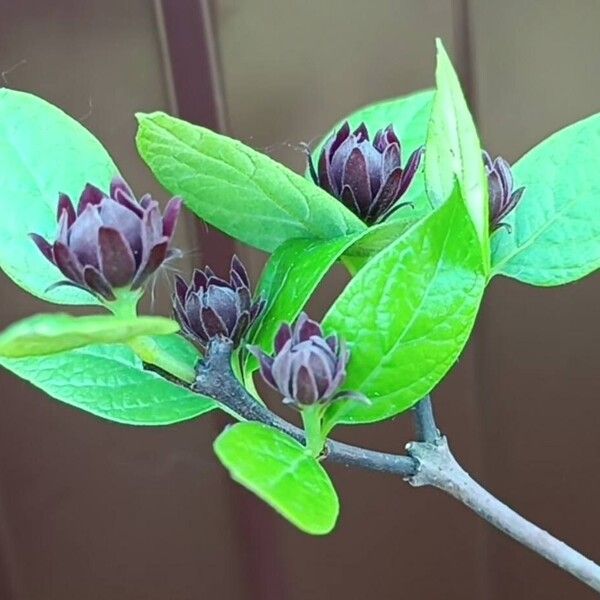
<point x="280" y="471"/>
<point x="408" y="314"/>
<point x="289" y="280"/>
<point x="171" y="354"/>
<point x="48" y="334"/>
<point x="42" y="152"/>
<point x="380" y="236"/>
<point x="238" y="190"/>
<point x="110" y="382"/>
<point x="555" y="228"/>
<point x="297" y="267"/>
<point x="453" y="152"/>
<point x="410" y="117"/>
<point x="375" y="239"/>
<point x="178" y="348"/>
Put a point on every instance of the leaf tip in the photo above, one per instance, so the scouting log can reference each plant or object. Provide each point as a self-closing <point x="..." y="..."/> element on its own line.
<point x="151" y="116"/>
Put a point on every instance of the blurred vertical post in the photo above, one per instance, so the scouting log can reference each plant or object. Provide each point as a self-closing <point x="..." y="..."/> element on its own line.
<point x="190" y="55"/>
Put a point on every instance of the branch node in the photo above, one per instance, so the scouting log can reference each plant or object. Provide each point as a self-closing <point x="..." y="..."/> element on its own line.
<point x="436" y="464"/>
<point x="429" y="462"/>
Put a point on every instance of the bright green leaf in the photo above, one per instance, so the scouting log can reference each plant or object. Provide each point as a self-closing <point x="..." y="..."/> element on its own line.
<point x="408" y="314"/>
<point x="555" y="228"/>
<point x="280" y="471"/>
<point x="380" y="236"/>
<point x="374" y="240"/>
<point x="110" y="382"/>
<point x="453" y="152"/>
<point x="169" y="355"/>
<point x="289" y="280"/>
<point x="238" y="190"/>
<point x="178" y="348"/>
<point x="43" y="152"/>
<point x="48" y="334"/>
<point x="297" y="267"/>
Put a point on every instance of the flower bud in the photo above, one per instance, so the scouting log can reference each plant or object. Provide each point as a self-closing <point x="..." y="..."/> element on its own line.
<point x="110" y="241"/>
<point x="307" y="368"/>
<point x="210" y="307"/>
<point x="500" y="184"/>
<point x="366" y="176"/>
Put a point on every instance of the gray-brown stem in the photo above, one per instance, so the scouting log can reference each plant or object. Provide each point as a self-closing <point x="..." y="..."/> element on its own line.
<point x="429" y="462"/>
<point x="438" y="468"/>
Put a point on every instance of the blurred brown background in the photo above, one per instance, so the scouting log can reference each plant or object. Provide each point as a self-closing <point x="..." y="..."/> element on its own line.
<point x="97" y="511"/>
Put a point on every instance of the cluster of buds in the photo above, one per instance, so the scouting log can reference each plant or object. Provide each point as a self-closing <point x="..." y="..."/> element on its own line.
<point x="209" y="307"/>
<point x="367" y="176"/>
<point x="307" y="368"/>
<point x="500" y="184"/>
<point x="111" y="241"/>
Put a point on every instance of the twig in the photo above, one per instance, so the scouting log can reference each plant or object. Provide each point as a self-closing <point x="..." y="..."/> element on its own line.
<point x="429" y="462"/>
<point x="438" y="468"/>
<point x="425" y="428"/>
<point x="215" y="379"/>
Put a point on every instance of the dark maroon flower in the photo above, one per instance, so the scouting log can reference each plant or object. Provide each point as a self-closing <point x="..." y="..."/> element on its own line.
<point x="500" y="184"/>
<point x="110" y="241"/>
<point x="210" y="307"/>
<point x="307" y="367"/>
<point x="366" y="176"/>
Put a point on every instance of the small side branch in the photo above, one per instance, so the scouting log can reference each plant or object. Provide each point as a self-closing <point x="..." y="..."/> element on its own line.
<point x="215" y="379"/>
<point x="425" y="428"/>
<point x="429" y="462"/>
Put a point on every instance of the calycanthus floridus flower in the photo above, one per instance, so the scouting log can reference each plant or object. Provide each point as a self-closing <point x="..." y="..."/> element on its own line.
<point x="500" y="185"/>
<point x="307" y="367"/>
<point x="111" y="241"/>
<point x="210" y="307"/>
<point x="367" y="176"/>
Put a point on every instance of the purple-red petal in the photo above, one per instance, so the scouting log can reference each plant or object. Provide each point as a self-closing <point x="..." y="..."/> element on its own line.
<point x="170" y="216"/>
<point x="306" y="328"/>
<point x="155" y="259"/>
<point x="391" y="137"/>
<point x="332" y="342"/>
<point x="67" y="262"/>
<point x="265" y="362"/>
<point x="324" y="172"/>
<point x="238" y="267"/>
<point x="212" y="322"/>
<point x="283" y="335"/>
<point x="119" y="185"/>
<point x="335" y="141"/>
<point x="349" y="201"/>
<point x="412" y="166"/>
<point x="356" y="176"/>
<point x="391" y="160"/>
<point x="361" y="133"/>
<point x="304" y="387"/>
<point x="311" y="168"/>
<point x="117" y="263"/>
<point x="181" y="288"/>
<point x="387" y="195"/>
<point x="257" y="309"/>
<point x="199" y="280"/>
<point x="65" y="205"/>
<point x="44" y="246"/>
<point x="96" y="282"/>
<point x="241" y="325"/>
<point x="90" y="195"/>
